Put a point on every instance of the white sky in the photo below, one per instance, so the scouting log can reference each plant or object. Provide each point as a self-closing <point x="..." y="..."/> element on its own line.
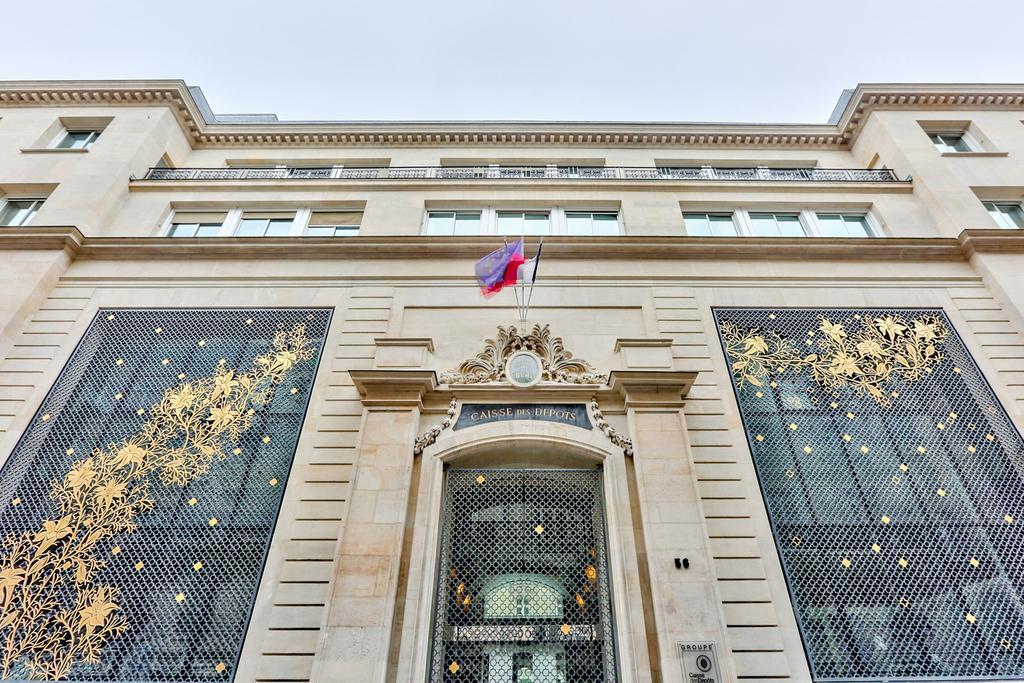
<point x="677" y="60"/>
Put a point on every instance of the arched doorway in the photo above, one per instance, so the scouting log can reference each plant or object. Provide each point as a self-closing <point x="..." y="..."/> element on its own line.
<point x="522" y="593"/>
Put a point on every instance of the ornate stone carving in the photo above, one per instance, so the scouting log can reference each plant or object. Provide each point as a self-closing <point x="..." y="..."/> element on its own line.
<point x="559" y="365"/>
<point x="613" y="435"/>
<point x="430" y="436"/>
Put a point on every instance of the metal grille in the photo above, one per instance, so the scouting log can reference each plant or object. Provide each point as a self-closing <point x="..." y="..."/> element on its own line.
<point x="181" y="583"/>
<point x="893" y="482"/>
<point x="523" y="593"/>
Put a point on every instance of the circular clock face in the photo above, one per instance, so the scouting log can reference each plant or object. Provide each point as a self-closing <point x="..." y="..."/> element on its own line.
<point x="523" y="369"/>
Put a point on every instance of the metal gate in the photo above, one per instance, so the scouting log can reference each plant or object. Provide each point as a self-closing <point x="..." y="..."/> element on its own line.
<point x="523" y="593"/>
<point x="894" y="481"/>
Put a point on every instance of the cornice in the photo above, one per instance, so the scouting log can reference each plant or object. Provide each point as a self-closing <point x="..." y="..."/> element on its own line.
<point x="204" y="132"/>
<point x="417" y="247"/>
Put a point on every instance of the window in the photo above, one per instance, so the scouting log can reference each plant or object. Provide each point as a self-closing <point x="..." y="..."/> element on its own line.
<point x="776" y="225"/>
<point x="843" y="225"/>
<point x="16" y="212"/>
<point x="266" y="224"/>
<point x="592" y="222"/>
<point x="950" y="142"/>
<point x="709" y="224"/>
<point x="523" y="223"/>
<point x="196" y="223"/>
<point x="334" y="223"/>
<point x="1006" y="214"/>
<point x="77" y="139"/>
<point x="453" y="223"/>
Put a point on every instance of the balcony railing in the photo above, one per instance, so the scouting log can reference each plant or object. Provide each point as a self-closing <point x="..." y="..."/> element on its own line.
<point x="492" y="172"/>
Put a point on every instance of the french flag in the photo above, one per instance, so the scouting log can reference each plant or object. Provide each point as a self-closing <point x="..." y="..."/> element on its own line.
<point x="505" y="267"/>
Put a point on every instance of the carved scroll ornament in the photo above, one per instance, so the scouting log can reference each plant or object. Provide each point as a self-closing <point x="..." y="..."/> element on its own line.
<point x="558" y="364"/>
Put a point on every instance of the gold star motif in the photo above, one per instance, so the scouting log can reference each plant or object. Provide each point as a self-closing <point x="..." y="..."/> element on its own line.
<point x="846" y="438"/>
<point x="941" y="493"/>
<point x="1008" y="519"/>
<point x="565" y="629"/>
<point x="903" y="467"/>
<point x="896" y="480"/>
<point x="970" y="618"/>
<point x="971" y="449"/>
<point x="846" y="563"/>
<point x="110" y="317"/>
<point x="236" y="451"/>
<point x="119" y="361"/>
<point x="181" y="375"/>
<point x="759" y="437"/>
<point x="1005" y="644"/>
<point x="197" y="566"/>
<point x="202" y="342"/>
<point x="759" y="394"/>
<point x="140" y="412"/>
<point x="952" y="416"/>
<point x="16" y="502"/>
<point x="116" y="550"/>
<point x="773" y="385"/>
<point x="192" y="501"/>
<point x="877" y="548"/>
<point x="165" y="361"/>
<point x="213" y="521"/>
<point x="158" y="330"/>
<point x="864" y="449"/>
<point x="70" y="451"/>
<point x="940" y="425"/>
<point x="833" y="404"/>
<point x="807" y="449"/>
<point x="454" y="667"/>
<point x="273" y="481"/>
<point x="139" y="566"/>
<point x="294" y="390"/>
<point x="921" y="449"/>
<point x="903" y="562"/>
<point x="904" y="602"/>
<point x="850" y="415"/>
<point x="885" y="519"/>
<point x="990" y="437"/>
<point x="975" y="563"/>
<point x="792" y="425"/>
<point x="480" y="479"/>
<point x="790" y="473"/>
<point x="118" y="396"/>
<point x="956" y="370"/>
<point x="179" y="598"/>
<point x="248" y="321"/>
<point x="266" y="439"/>
<point x="46" y="417"/>
<point x="222" y="361"/>
<point x="221" y="666"/>
<point x="771" y="316"/>
<point x="539" y="529"/>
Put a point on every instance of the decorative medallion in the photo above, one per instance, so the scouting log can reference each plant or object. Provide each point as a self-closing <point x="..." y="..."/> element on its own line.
<point x="556" y="364"/>
<point x="523" y="369"/>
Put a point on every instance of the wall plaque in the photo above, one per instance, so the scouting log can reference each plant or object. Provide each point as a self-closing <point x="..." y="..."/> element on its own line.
<point x="700" y="661"/>
<point x="574" y="414"/>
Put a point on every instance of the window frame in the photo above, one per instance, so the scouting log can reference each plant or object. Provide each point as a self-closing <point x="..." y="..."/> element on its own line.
<point x="557" y="218"/>
<point x="37" y="203"/>
<point x="65" y="133"/>
<point x="234" y="216"/>
<point x="741" y="219"/>
<point x="965" y="137"/>
<point x="996" y="208"/>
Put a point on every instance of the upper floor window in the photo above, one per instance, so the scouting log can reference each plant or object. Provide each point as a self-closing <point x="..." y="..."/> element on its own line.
<point x="951" y="142"/>
<point x="776" y="225"/>
<point x="709" y="224"/>
<point x="523" y="223"/>
<point x="197" y="223"/>
<point x="453" y="223"/>
<point x="1006" y="214"/>
<point x="15" y="212"/>
<point x="266" y="224"/>
<point x="592" y="222"/>
<point x="334" y="223"/>
<point x="77" y="139"/>
<point x="843" y="225"/>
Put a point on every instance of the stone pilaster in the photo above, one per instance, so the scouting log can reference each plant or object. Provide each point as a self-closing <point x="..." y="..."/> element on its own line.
<point x="354" y="646"/>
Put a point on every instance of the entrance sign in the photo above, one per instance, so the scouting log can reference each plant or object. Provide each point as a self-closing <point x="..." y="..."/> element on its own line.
<point x="700" y="661"/>
<point x="523" y="369"/>
<point x="473" y="414"/>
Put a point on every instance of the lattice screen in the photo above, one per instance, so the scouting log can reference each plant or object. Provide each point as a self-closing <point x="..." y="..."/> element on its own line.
<point x="523" y="593"/>
<point x="139" y="505"/>
<point x="893" y="481"/>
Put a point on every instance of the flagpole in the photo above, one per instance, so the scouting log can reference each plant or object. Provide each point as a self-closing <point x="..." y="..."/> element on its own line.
<point x="533" y="279"/>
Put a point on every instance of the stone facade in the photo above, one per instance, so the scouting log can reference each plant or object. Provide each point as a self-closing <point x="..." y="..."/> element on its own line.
<point x="347" y="593"/>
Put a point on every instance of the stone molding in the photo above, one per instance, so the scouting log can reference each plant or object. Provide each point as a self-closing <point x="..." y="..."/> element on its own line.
<point x="393" y="388"/>
<point x="652" y="389"/>
<point x="621" y="247"/>
<point x="205" y="130"/>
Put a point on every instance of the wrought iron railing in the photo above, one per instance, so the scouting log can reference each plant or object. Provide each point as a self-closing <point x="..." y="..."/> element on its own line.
<point x="495" y="172"/>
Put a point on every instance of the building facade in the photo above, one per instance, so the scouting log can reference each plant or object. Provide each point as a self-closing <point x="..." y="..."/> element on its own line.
<point x="761" y="421"/>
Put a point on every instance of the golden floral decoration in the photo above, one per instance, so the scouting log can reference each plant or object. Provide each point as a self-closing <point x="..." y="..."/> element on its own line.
<point x="865" y="360"/>
<point x="54" y="614"/>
